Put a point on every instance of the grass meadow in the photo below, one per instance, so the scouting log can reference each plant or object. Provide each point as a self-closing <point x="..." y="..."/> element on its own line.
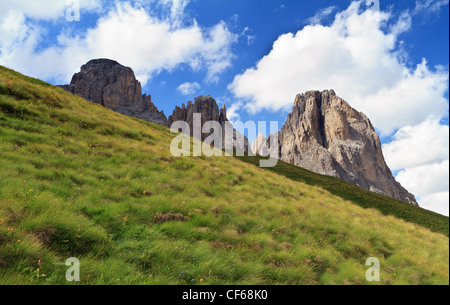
<point x="79" y="180"/>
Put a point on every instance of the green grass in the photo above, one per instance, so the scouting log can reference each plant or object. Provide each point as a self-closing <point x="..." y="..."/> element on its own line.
<point x="360" y="196"/>
<point x="79" y="180"/>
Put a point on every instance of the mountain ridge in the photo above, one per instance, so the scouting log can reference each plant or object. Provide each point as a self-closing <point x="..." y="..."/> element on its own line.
<point x="207" y="108"/>
<point x="114" y="86"/>
<point x="322" y="133"/>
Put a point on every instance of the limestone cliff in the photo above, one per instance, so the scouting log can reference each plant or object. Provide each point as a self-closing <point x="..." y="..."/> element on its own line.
<point x="327" y="136"/>
<point x="108" y="83"/>
<point x="208" y="109"/>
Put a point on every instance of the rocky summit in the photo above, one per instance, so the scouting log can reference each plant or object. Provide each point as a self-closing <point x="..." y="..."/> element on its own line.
<point x="114" y="86"/>
<point x="208" y="109"/>
<point x="108" y="83"/>
<point x="324" y="134"/>
<point x="259" y="146"/>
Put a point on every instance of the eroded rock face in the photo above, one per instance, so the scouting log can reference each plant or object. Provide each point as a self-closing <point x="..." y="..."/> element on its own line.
<point x="205" y="105"/>
<point x="208" y="109"/>
<point x="327" y="136"/>
<point x="108" y="83"/>
<point x="259" y="146"/>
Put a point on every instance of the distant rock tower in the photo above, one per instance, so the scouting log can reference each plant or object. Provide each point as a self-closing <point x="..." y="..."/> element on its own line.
<point x="208" y="109"/>
<point x="108" y="83"/>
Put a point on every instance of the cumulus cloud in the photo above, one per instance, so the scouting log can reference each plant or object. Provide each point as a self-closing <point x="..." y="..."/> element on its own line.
<point x="418" y="145"/>
<point x="128" y="34"/>
<point x="421" y="155"/>
<point x="17" y="19"/>
<point x="426" y="179"/>
<point x="437" y="202"/>
<point x="430" y="184"/>
<point x="13" y="29"/>
<point x="359" y="57"/>
<point x="188" y="88"/>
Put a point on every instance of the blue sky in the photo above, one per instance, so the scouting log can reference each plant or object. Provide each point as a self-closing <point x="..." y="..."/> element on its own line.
<point x="256" y="55"/>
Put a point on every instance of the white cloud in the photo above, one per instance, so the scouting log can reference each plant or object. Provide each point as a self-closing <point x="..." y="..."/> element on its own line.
<point x="426" y="179"/>
<point x="216" y="50"/>
<point x="233" y="112"/>
<point x="421" y="153"/>
<point x="429" y="6"/>
<point x="250" y="38"/>
<point x="45" y="9"/>
<point x="414" y="146"/>
<point x="437" y="202"/>
<point x="188" y="88"/>
<point x="415" y="98"/>
<point x="13" y="29"/>
<point x="321" y="14"/>
<point x="130" y="35"/>
<point x="359" y="57"/>
<point x="176" y="8"/>
<point x="232" y="107"/>
<point x="403" y="24"/>
<point x="278" y="9"/>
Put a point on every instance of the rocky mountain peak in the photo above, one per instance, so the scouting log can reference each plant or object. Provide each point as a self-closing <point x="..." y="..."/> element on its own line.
<point x="223" y="114"/>
<point x="207" y="107"/>
<point x="114" y="86"/>
<point x="259" y="146"/>
<point x="324" y="134"/>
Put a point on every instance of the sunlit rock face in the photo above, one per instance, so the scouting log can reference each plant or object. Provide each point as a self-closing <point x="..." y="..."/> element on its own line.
<point x="327" y="136"/>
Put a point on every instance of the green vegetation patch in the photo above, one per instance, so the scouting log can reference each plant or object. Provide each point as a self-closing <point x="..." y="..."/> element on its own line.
<point x="360" y="196"/>
<point x="79" y="180"/>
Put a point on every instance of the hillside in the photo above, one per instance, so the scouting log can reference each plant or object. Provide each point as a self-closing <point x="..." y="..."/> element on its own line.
<point x="77" y="179"/>
<point x="357" y="195"/>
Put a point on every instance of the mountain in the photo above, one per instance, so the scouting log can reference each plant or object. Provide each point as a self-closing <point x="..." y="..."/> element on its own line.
<point x="323" y="133"/>
<point x="327" y="136"/>
<point x="260" y="146"/>
<point x="208" y="109"/>
<point x="79" y="180"/>
<point x="108" y="83"/>
<point x="114" y="86"/>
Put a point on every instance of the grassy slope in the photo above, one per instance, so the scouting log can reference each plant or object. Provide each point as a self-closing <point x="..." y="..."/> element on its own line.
<point x="79" y="180"/>
<point x="360" y="196"/>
